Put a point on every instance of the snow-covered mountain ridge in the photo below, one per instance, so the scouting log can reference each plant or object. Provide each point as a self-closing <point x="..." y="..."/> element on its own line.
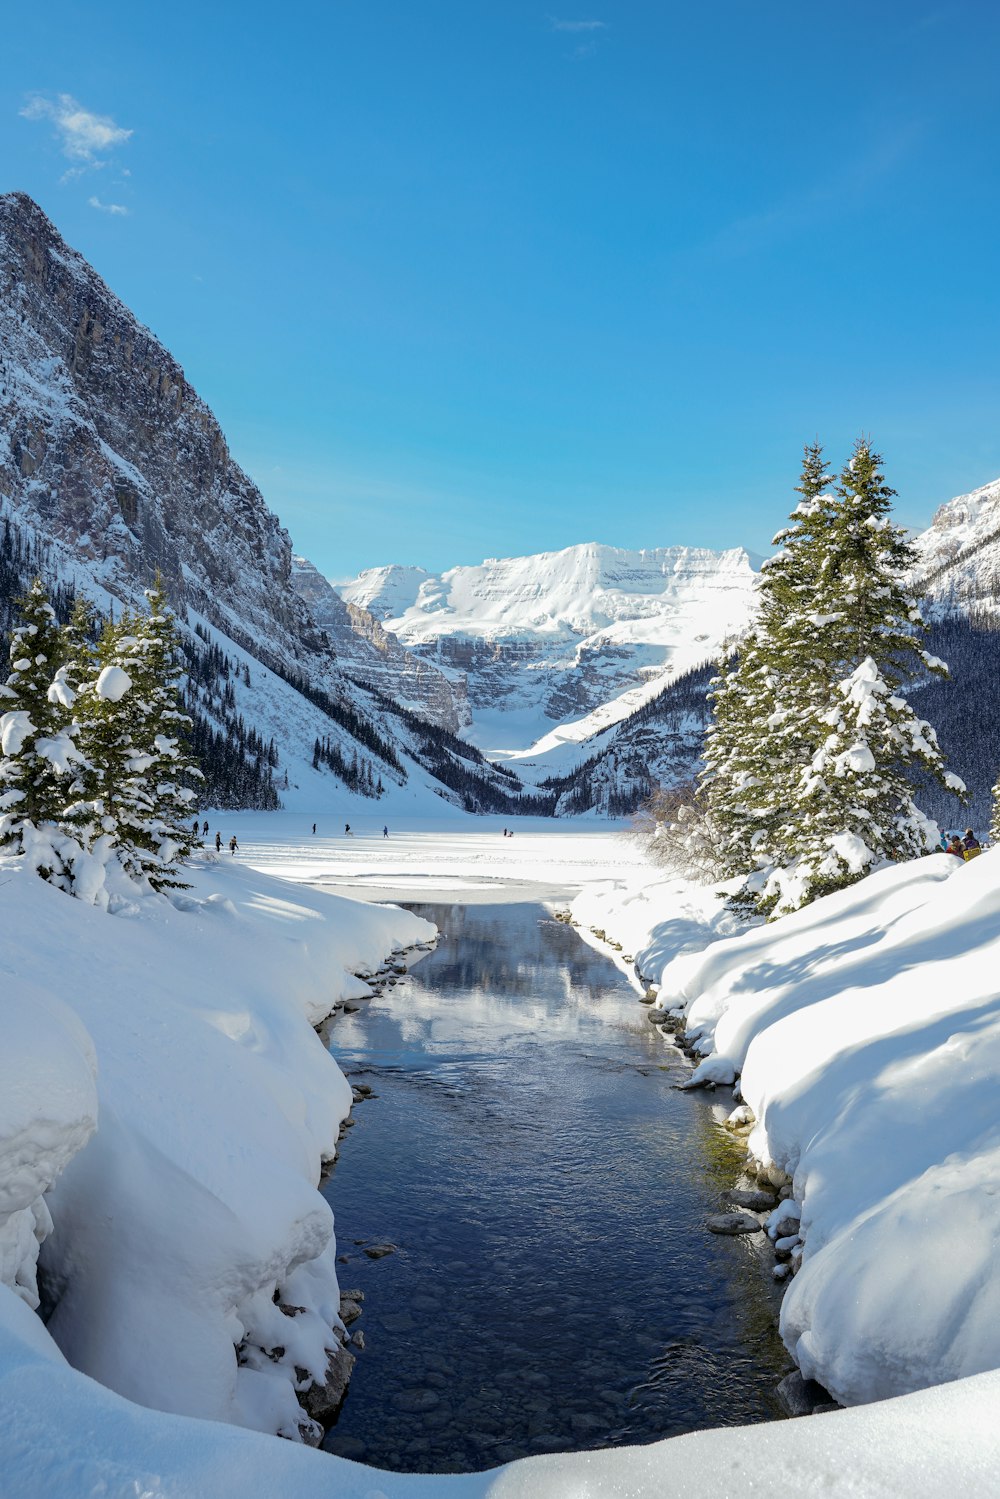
<point x="960" y="552"/>
<point x="113" y="468"/>
<point x="555" y="647"/>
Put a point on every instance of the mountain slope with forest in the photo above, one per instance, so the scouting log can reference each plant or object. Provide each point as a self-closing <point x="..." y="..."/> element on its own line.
<point x="113" y="469"/>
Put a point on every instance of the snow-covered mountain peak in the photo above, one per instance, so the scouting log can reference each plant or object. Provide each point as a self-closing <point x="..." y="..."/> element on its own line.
<point x="960" y="551"/>
<point x="573" y="592"/>
<point x="564" y="641"/>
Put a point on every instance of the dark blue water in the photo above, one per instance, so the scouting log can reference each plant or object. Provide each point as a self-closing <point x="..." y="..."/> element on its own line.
<point x="554" y="1287"/>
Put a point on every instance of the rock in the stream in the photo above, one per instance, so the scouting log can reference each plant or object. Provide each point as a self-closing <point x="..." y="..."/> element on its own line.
<point x="379" y="1251"/>
<point x="323" y="1401"/>
<point x="803" y="1397"/>
<point x="733" y="1223"/>
<point x="417" y="1400"/>
<point x="350" y="1306"/>
<point x="754" y="1201"/>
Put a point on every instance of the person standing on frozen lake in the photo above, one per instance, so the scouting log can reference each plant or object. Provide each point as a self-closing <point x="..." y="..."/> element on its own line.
<point x="233" y="845"/>
<point x="218" y="841"/>
<point x="314" y="827"/>
<point x="385" y="831"/>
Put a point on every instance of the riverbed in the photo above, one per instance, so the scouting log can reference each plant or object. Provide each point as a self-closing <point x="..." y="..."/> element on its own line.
<point x="544" y="1187"/>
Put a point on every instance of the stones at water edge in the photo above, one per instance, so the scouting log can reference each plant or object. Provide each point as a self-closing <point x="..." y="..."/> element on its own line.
<point x="754" y="1201"/>
<point x="322" y="1401"/>
<point x="804" y="1397"/>
<point x="733" y="1223"/>
<point x="379" y="1251"/>
<point x="350" y="1306"/>
<point x="742" y="1118"/>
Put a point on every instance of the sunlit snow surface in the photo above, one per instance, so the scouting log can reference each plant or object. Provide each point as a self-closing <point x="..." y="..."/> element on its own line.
<point x="460" y="857"/>
<point x="199" y="1019"/>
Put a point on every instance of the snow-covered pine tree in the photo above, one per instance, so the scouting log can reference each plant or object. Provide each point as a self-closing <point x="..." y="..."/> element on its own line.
<point x="861" y="637"/>
<point x="153" y="661"/>
<point x="37" y="748"/>
<point x="79" y="652"/>
<point x="113" y="804"/>
<point x="763" y="705"/>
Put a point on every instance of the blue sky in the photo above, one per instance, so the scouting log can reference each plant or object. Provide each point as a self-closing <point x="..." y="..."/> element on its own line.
<point x="464" y="278"/>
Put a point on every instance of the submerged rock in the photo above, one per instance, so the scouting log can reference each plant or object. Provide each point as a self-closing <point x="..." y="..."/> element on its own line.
<point x="755" y="1201"/>
<point x="417" y="1400"/>
<point x="733" y="1223"/>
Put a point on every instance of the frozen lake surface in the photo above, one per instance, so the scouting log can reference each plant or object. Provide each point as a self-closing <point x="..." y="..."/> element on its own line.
<point x="553" y="1286"/>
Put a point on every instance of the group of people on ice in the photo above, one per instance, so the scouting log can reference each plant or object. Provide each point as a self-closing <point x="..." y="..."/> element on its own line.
<point x="203" y="833"/>
<point x="963" y="848"/>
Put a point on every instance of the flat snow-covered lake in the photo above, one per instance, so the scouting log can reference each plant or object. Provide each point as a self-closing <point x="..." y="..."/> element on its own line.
<point x="554" y="1286"/>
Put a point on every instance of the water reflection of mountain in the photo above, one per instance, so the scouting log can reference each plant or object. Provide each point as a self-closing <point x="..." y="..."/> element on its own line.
<point x="501" y="950"/>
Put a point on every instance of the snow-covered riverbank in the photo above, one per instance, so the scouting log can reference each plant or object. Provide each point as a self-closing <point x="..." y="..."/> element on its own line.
<point x="165" y="1064"/>
<point x="865" y="1033"/>
<point x="161" y="1068"/>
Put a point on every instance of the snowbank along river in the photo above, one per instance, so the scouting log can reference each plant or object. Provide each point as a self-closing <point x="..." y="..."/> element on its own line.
<point x="552" y="1284"/>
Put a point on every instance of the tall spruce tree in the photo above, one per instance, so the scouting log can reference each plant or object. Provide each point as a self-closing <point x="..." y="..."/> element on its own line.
<point x="811" y="760"/>
<point x="857" y="745"/>
<point x="37" y="749"/>
<point x="114" y="803"/>
<point x="153" y="661"/>
<point x="763" y="705"/>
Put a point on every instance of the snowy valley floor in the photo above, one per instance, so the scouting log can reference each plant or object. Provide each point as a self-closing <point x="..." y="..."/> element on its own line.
<point x="164" y="1096"/>
<point x="454" y="858"/>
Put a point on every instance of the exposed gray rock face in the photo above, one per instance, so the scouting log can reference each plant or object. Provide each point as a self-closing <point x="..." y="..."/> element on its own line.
<point x="323" y="1401"/>
<point x="112" y="468"/>
<point x="106" y="446"/>
<point x="369" y="652"/>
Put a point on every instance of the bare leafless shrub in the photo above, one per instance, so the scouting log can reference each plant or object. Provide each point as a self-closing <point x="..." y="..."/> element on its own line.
<point x="677" y="831"/>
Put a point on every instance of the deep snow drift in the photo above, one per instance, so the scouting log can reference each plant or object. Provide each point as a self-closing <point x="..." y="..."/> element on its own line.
<point x="865" y="1031"/>
<point x="186" y="1202"/>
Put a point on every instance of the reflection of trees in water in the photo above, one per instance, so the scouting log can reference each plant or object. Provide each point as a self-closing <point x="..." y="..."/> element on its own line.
<point x="512" y="950"/>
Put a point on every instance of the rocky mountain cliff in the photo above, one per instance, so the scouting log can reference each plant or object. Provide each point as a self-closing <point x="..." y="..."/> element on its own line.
<point x="369" y="652"/>
<point x="960" y="553"/>
<point x="112" y="467"/>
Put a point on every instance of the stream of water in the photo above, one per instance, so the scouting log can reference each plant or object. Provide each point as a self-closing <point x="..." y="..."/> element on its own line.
<point x="553" y="1286"/>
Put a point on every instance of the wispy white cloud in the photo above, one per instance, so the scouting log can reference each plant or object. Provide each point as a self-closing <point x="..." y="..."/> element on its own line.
<point x="811" y="208"/>
<point x="82" y="135"/>
<point x="113" y="208"/>
<point x="577" y="26"/>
